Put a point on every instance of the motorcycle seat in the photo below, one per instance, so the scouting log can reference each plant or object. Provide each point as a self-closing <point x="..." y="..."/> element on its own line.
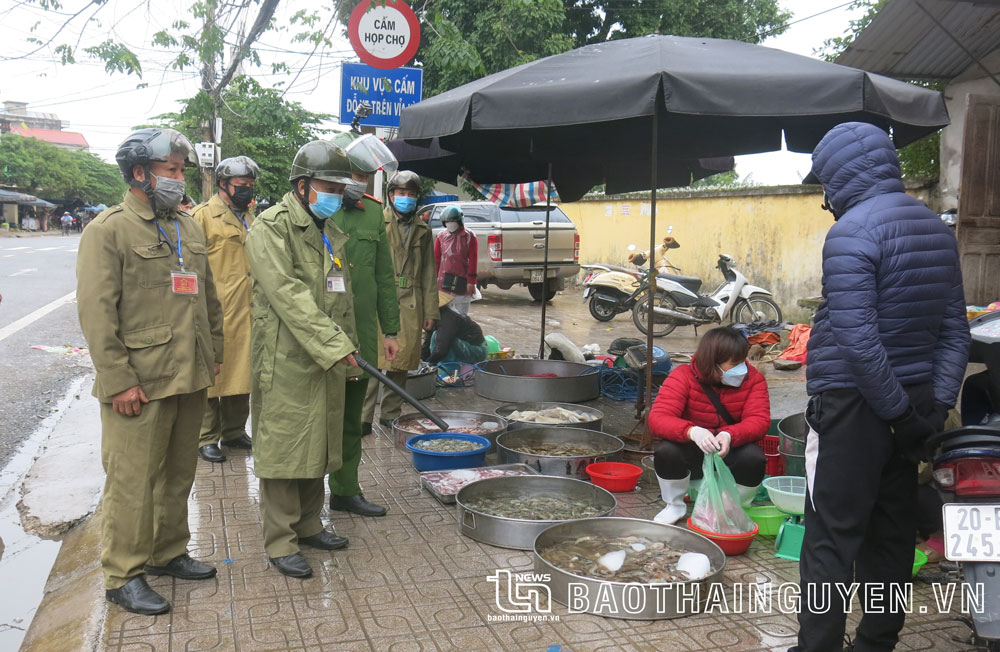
<point x="692" y="283"/>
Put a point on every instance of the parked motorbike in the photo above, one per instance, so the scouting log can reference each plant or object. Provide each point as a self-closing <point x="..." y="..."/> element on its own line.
<point x="967" y="474"/>
<point x="613" y="289"/>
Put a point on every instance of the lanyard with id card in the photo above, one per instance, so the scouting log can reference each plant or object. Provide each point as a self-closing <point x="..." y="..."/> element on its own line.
<point x="335" y="279"/>
<point x="181" y="282"/>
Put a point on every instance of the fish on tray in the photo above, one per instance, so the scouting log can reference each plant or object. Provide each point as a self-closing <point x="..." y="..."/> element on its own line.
<point x="558" y="450"/>
<point x="627" y="559"/>
<point x="533" y="507"/>
<point x="555" y="415"/>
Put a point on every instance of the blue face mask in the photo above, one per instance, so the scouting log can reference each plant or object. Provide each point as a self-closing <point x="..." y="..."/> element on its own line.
<point x="405" y="204"/>
<point x="734" y="377"/>
<point x="326" y="204"/>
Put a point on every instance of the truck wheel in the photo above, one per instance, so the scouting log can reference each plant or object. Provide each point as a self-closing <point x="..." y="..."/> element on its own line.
<point x="535" y="290"/>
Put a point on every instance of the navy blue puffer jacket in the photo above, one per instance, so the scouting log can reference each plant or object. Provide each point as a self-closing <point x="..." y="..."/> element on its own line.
<point x="893" y="310"/>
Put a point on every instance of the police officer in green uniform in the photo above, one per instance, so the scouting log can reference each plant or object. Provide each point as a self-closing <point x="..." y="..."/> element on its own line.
<point x="153" y="323"/>
<point x="375" y="304"/>
<point x="301" y="348"/>
<point x="412" y="244"/>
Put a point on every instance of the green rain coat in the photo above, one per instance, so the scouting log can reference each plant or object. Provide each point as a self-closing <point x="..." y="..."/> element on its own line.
<point x="412" y="247"/>
<point x="373" y="280"/>
<point x="300" y="332"/>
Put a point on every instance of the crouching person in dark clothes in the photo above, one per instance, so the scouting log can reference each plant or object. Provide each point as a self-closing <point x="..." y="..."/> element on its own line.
<point x="886" y="358"/>
<point x="455" y="338"/>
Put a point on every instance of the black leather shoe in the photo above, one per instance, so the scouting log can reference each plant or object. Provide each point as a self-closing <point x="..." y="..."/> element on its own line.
<point x="243" y="443"/>
<point x="356" y="505"/>
<point x="366" y="429"/>
<point x="386" y="423"/>
<point x="294" y="565"/>
<point x="324" y="541"/>
<point x="137" y="597"/>
<point x="212" y="453"/>
<point x="183" y="568"/>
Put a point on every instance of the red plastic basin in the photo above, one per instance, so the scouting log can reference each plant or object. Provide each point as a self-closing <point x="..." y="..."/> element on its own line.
<point x="731" y="544"/>
<point x="614" y="476"/>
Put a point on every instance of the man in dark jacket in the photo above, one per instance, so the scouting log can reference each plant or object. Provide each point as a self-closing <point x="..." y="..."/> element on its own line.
<point x="886" y="359"/>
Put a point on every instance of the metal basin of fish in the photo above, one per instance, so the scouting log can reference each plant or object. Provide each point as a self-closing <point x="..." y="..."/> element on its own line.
<point x="623" y="599"/>
<point x="601" y="447"/>
<point x="520" y="533"/>
<point x="592" y="417"/>
<point x="470" y="423"/>
<point x="522" y="380"/>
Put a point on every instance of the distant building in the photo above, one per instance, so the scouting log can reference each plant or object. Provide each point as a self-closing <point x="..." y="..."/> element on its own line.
<point x="16" y="119"/>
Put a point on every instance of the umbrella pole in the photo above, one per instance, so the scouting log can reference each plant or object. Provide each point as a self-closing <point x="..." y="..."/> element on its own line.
<point x="545" y="261"/>
<point x="647" y="436"/>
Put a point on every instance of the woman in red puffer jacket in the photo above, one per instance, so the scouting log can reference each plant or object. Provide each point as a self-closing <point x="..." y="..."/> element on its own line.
<point x="690" y="426"/>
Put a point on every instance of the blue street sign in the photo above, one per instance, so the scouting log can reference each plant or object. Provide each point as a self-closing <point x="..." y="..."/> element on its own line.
<point x="387" y="91"/>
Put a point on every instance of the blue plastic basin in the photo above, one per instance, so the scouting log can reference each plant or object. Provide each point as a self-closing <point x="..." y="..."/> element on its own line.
<point x="438" y="461"/>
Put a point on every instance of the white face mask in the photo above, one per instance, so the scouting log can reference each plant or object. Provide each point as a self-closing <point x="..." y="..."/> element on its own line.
<point x="453" y="226"/>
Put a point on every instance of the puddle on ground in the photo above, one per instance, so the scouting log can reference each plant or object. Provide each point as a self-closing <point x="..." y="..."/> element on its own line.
<point x="26" y="559"/>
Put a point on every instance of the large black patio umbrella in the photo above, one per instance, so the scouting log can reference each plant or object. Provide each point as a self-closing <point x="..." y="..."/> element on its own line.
<point x="631" y="100"/>
<point x="572" y="178"/>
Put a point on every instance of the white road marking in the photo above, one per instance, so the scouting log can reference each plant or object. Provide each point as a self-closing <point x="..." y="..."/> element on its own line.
<point x="16" y="248"/>
<point x="29" y="319"/>
<point x="22" y="272"/>
<point x="50" y="248"/>
<point x="73" y="251"/>
<point x="8" y="255"/>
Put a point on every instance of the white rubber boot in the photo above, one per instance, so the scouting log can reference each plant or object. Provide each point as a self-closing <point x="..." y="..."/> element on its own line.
<point x="672" y="492"/>
<point x="747" y="495"/>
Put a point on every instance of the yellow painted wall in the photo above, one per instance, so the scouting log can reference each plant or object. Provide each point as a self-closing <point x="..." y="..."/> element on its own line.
<point x="774" y="234"/>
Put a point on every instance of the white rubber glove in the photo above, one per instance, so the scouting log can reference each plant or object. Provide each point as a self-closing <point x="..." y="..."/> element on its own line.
<point x="704" y="439"/>
<point x="724" y="439"/>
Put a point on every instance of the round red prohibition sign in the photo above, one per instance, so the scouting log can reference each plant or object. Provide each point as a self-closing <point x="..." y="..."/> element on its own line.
<point x="384" y="36"/>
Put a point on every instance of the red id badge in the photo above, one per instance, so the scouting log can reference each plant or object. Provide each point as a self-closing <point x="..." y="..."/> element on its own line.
<point x="184" y="282"/>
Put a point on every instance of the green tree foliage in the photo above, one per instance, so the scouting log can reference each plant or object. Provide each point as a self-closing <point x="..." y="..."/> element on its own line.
<point x="41" y="168"/>
<point x="917" y="160"/>
<point x="462" y="40"/>
<point x="257" y="122"/>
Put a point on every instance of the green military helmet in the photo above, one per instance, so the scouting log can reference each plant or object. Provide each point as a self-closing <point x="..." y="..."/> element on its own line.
<point x="404" y="179"/>
<point x="237" y="166"/>
<point x="144" y="146"/>
<point x="321" y="159"/>
<point x="366" y="153"/>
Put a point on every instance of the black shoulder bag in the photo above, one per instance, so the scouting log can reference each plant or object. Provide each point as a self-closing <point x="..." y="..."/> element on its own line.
<point x="713" y="396"/>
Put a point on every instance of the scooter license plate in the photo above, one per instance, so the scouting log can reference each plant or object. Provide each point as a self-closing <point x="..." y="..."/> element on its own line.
<point x="537" y="275"/>
<point x="971" y="532"/>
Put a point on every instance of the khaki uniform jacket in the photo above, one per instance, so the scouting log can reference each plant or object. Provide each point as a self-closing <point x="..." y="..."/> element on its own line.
<point x="225" y="236"/>
<point x="412" y="248"/>
<point x="300" y="332"/>
<point x="139" y="331"/>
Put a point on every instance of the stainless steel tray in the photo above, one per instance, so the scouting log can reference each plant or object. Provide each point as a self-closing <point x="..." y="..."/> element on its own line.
<point x="449" y="499"/>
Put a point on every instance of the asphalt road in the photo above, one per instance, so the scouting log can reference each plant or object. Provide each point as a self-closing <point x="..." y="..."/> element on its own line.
<point x="35" y="272"/>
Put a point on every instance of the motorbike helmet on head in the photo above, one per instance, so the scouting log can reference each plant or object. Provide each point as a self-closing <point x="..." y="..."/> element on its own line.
<point x="452" y="214"/>
<point x="366" y="154"/>
<point x="403" y="206"/>
<point x="236" y="166"/>
<point x="319" y="159"/>
<point x="145" y="146"/>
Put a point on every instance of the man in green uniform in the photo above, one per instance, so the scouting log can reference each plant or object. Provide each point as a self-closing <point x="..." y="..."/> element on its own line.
<point x="153" y="323"/>
<point x="301" y="350"/>
<point x="226" y="220"/>
<point x="411" y="243"/>
<point x="375" y="305"/>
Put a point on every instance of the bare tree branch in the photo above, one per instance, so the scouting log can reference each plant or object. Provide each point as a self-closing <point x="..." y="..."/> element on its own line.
<point x="267" y="9"/>
<point x="98" y="3"/>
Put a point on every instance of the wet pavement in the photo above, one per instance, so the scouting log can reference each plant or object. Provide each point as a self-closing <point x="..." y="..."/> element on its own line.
<point x="409" y="580"/>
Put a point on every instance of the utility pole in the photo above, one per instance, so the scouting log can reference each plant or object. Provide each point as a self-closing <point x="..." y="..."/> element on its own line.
<point x="208" y="84"/>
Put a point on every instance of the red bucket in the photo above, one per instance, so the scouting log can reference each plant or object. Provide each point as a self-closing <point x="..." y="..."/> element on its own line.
<point x="614" y="476"/>
<point x="731" y="544"/>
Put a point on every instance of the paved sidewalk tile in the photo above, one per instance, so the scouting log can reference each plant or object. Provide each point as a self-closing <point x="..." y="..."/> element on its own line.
<point x="410" y="581"/>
